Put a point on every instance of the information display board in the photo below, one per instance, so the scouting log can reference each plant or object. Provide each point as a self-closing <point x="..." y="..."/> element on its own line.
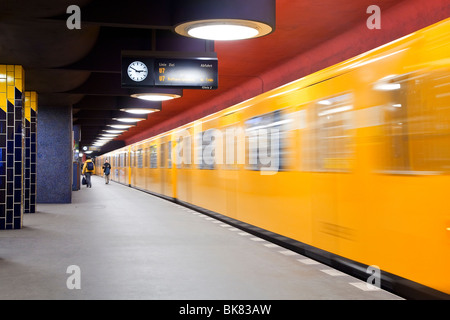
<point x="174" y="71"/>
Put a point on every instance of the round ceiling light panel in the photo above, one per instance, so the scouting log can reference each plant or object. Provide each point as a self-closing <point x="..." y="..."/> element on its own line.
<point x="223" y="29"/>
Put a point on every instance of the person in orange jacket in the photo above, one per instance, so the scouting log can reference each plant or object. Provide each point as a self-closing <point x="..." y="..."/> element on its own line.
<point x="88" y="170"/>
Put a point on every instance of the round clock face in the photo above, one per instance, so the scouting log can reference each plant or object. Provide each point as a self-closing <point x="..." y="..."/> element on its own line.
<point x="137" y="71"/>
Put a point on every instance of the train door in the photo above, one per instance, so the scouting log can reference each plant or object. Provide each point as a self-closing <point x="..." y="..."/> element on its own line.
<point x="162" y="165"/>
<point x="184" y="163"/>
<point x="166" y="166"/>
<point x="234" y="157"/>
<point x="329" y="157"/>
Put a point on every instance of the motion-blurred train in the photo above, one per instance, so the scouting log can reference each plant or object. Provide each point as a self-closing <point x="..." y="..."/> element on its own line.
<point x="349" y="165"/>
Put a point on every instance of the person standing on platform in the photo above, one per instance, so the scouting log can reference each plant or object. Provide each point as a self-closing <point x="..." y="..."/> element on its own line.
<point x="88" y="170"/>
<point x="106" y="170"/>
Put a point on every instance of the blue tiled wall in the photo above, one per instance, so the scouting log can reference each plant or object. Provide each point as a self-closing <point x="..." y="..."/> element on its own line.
<point x="54" y="155"/>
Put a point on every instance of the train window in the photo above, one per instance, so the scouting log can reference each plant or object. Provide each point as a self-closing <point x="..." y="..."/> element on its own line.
<point x="140" y="158"/>
<point x="265" y="146"/>
<point x="416" y="129"/>
<point x="133" y="159"/>
<point x="169" y="155"/>
<point x="206" y="149"/>
<point x="153" y="157"/>
<point x="146" y="158"/>
<point x="122" y="159"/>
<point x="162" y="156"/>
<point x="183" y="148"/>
<point x="234" y="153"/>
<point x="328" y="139"/>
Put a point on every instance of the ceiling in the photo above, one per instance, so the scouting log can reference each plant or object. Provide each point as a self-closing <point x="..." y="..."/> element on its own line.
<point x="81" y="67"/>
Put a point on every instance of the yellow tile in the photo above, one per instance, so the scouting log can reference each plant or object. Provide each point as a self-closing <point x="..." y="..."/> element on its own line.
<point x="27" y="112"/>
<point x="34" y="100"/>
<point x="27" y="101"/>
<point x="2" y="71"/>
<point x="11" y="93"/>
<point x="3" y="100"/>
<point x="10" y="78"/>
<point x="18" y="71"/>
<point x="19" y="84"/>
<point x="3" y="85"/>
<point x="9" y="67"/>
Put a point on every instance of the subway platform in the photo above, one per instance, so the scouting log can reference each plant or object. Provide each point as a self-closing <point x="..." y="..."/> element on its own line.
<point x="127" y="244"/>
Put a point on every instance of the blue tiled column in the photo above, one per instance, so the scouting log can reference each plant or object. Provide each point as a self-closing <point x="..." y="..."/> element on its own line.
<point x="11" y="146"/>
<point x="54" y="154"/>
<point x="33" y="151"/>
<point x="29" y="161"/>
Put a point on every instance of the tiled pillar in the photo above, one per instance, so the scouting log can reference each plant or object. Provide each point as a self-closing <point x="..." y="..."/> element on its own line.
<point x="29" y="172"/>
<point x="11" y="146"/>
<point x="33" y="172"/>
<point x="54" y="158"/>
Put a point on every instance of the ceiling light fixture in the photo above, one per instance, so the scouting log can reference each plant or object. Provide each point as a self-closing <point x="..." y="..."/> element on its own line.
<point x="130" y="120"/>
<point x="138" y="110"/>
<point x="138" y="106"/>
<point x="224" y="20"/>
<point x="109" y="134"/>
<point x="156" y="96"/>
<point x="223" y="29"/>
<point x="114" y="131"/>
<point x="120" y="126"/>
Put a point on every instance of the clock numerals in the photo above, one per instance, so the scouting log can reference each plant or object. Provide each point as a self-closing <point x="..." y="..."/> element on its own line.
<point x="137" y="71"/>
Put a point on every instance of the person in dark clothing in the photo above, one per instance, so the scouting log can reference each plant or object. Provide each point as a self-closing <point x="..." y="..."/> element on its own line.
<point x="106" y="170"/>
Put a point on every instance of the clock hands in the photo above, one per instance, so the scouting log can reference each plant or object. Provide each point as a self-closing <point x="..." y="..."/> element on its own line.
<point x="137" y="70"/>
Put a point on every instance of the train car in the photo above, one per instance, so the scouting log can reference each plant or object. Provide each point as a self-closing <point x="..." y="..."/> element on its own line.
<point x="350" y="165"/>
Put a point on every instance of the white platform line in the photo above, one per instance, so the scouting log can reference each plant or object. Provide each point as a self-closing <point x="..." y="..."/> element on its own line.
<point x="271" y="245"/>
<point x="365" y="286"/>
<point x="257" y="239"/>
<point x="333" y="272"/>
<point x="308" y="261"/>
<point x="288" y="253"/>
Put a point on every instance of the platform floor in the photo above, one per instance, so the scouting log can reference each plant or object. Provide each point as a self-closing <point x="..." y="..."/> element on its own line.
<point x="132" y="245"/>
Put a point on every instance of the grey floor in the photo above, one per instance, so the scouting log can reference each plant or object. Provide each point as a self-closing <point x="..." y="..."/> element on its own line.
<point x="130" y="245"/>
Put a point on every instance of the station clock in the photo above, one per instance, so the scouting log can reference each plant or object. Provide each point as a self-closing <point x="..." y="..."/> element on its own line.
<point x="137" y="71"/>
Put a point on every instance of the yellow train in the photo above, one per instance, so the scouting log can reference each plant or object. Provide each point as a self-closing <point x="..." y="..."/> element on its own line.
<point x="350" y="165"/>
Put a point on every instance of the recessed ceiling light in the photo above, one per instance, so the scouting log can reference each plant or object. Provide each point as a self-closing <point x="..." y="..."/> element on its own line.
<point x="224" y="29"/>
<point x="139" y="110"/>
<point x="222" y="32"/>
<point x="131" y="120"/>
<point x="155" y="96"/>
<point x="120" y="126"/>
<point x="224" y="20"/>
<point x="114" y="131"/>
<point x="109" y="134"/>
